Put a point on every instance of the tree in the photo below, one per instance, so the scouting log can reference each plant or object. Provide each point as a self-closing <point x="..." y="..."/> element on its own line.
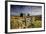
<point x="21" y="14"/>
<point x="28" y="14"/>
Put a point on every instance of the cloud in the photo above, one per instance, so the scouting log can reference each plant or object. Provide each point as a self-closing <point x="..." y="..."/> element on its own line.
<point x="36" y="10"/>
<point x="32" y="10"/>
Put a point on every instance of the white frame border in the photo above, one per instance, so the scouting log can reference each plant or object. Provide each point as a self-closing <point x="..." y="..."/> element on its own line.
<point x="19" y="30"/>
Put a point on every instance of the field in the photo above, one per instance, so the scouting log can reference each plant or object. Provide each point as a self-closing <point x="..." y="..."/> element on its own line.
<point x="17" y="22"/>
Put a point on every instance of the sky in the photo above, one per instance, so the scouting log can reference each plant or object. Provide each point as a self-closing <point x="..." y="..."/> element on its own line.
<point x="32" y="10"/>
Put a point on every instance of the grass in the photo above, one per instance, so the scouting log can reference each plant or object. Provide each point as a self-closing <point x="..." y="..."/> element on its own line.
<point x="19" y="23"/>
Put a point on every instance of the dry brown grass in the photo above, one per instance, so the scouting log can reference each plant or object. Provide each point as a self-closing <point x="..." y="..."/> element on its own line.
<point x="17" y="22"/>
